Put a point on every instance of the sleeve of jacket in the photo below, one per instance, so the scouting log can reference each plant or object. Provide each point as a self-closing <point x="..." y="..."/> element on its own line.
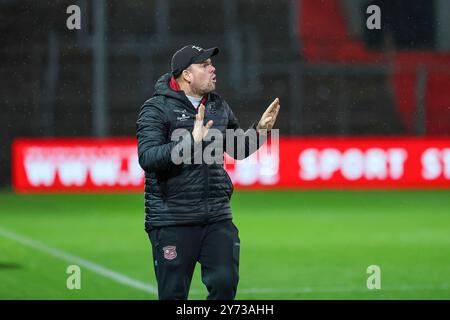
<point x="242" y="144"/>
<point x="154" y="147"/>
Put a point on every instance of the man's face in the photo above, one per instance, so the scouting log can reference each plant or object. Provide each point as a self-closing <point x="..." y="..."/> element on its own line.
<point x="202" y="77"/>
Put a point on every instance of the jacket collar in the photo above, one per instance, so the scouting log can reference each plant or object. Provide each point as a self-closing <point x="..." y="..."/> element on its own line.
<point x="173" y="84"/>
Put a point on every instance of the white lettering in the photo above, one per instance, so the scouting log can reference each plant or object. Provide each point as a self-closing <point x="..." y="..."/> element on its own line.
<point x="396" y="161"/>
<point x="374" y="280"/>
<point x="72" y="172"/>
<point x="74" y="280"/>
<point x="374" y="21"/>
<point x="308" y="161"/>
<point x="40" y="171"/>
<point x="74" y="20"/>
<point x="352" y="164"/>
<point x="105" y="171"/>
<point x="376" y="164"/>
<point x="431" y="167"/>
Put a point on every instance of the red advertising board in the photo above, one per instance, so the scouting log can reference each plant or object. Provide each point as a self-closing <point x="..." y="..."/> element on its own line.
<point x="76" y="165"/>
<point x="112" y="164"/>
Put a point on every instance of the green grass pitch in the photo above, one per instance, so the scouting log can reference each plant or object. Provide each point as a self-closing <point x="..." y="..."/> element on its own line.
<point x="294" y="245"/>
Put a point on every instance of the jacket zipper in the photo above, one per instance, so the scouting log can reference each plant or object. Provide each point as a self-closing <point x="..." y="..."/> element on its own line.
<point x="206" y="176"/>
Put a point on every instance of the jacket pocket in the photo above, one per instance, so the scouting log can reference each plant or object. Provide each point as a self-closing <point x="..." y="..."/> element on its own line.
<point x="236" y="243"/>
<point x="230" y="183"/>
<point x="154" y="235"/>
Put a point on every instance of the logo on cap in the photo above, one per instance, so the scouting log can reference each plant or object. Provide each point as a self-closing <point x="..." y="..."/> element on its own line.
<point x="198" y="48"/>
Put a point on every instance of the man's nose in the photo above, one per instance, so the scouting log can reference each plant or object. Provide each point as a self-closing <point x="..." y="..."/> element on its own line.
<point x="213" y="69"/>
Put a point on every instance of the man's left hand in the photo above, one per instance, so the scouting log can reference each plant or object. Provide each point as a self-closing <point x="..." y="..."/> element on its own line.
<point x="269" y="116"/>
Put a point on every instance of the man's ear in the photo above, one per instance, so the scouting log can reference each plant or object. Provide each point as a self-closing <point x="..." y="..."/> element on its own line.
<point x="187" y="76"/>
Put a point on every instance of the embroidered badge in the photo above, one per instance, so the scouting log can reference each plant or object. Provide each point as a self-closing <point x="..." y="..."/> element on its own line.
<point x="212" y="108"/>
<point x="183" y="117"/>
<point x="170" y="252"/>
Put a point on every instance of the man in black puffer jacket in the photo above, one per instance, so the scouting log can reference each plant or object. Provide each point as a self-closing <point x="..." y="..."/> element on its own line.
<point x="187" y="202"/>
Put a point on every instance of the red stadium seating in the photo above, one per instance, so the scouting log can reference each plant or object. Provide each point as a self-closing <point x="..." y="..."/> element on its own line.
<point x="325" y="38"/>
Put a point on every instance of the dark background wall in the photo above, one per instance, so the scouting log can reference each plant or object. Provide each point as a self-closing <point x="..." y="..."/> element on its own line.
<point x="47" y="71"/>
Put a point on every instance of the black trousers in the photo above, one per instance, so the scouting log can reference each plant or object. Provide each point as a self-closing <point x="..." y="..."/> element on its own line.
<point x="177" y="249"/>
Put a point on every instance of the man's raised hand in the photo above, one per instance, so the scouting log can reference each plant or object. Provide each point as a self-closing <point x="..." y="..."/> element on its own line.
<point x="269" y="116"/>
<point x="200" y="131"/>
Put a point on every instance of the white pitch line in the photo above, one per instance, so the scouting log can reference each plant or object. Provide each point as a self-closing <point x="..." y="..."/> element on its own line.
<point x="94" y="267"/>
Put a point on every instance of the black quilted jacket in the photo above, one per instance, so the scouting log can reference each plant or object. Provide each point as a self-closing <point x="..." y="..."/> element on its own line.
<point x="181" y="194"/>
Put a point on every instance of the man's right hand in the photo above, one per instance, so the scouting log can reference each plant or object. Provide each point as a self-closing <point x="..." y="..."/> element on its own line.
<point x="200" y="131"/>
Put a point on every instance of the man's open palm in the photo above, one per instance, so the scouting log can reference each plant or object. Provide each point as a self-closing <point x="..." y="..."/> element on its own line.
<point x="200" y="131"/>
<point x="269" y="116"/>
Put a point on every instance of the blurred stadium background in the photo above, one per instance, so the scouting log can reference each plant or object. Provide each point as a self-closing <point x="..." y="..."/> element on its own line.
<point x="362" y="169"/>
